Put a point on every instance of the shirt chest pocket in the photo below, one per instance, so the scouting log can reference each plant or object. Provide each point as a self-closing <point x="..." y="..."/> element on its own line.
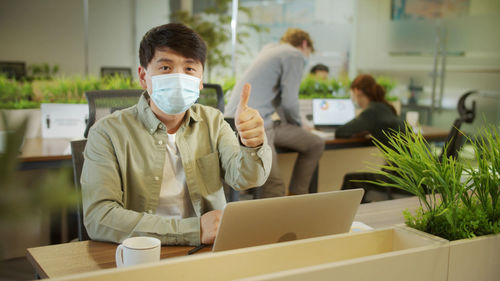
<point x="209" y="169"/>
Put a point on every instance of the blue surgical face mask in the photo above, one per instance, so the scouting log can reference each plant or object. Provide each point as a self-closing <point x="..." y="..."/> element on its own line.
<point x="175" y="93"/>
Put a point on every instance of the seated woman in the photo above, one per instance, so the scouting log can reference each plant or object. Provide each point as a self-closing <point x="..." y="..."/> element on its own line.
<point x="378" y="114"/>
<point x="377" y="117"/>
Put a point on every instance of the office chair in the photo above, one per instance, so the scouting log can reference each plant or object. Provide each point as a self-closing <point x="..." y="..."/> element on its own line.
<point x="454" y="142"/>
<point x="13" y="70"/>
<point x="105" y="102"/>
<point x="77" y="148"/>
<point x="455" y="138"/>
<point x="212" y="95"/>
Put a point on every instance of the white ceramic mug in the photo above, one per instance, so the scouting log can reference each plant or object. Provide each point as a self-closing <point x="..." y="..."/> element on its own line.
<point x="138" y="250"/>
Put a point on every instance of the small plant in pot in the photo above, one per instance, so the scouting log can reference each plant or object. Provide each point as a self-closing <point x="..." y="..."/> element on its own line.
<point x="459" y="201"/>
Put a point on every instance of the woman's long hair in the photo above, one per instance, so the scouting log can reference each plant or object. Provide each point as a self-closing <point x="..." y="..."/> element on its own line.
<point x="367" y="84"/>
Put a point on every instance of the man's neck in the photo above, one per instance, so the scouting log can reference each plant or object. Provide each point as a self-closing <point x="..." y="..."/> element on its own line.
<point x="172" y="122"/>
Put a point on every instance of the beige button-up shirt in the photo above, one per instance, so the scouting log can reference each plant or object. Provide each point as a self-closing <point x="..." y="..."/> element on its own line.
<point x="123" y="169"/>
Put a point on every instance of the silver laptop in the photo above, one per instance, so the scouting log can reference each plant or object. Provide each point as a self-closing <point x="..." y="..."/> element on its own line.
<point x="265" y="221"/>
<point x="332" y="113"/>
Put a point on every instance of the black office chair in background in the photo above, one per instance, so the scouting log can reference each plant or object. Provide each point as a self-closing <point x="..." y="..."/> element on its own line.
<point x="454" y="141"/>
<point x="13" y="69"/>
<point x="107" y="71"/>
<point x="105" y="102"/>
<point x="212" y="95"/>
<point x="77" y="148"/>
<point x="455" y="138"/>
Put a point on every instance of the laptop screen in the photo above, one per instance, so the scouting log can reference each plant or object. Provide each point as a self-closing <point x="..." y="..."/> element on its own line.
<point x="333" y="112"/>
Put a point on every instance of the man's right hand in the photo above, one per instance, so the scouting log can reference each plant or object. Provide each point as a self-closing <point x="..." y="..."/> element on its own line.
<point x="209" y="223"/>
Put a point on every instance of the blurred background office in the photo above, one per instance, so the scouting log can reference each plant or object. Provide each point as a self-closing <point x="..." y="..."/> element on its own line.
<point x="425" y="53"/>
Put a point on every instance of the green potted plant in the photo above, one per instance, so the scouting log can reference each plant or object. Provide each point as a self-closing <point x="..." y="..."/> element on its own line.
<point x="18" y="102"/>
<point x="26" y="200"/>
<point x="459" y="201"/>
<point x="213" y="25"/>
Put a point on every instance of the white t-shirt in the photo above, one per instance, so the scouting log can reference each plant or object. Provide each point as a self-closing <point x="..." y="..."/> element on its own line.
<point x="174" y="201"/>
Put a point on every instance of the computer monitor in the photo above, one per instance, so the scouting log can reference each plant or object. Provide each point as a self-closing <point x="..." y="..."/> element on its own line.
<point x="13" y="70"/>
<point x="332" y="112"/>
<point x="111" y="71"/>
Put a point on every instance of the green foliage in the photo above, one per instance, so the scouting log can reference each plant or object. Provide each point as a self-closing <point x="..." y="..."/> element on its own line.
<point x="42" y="71"/>
<point x="72" y="90"/>
<point x="118" y="82"/>
<point x="457" y="200"/>
<point x="16" y="95"/>
<point x="213" y="25"/>
<point x="22" y="197"/>
<point x="387" y="83"/>
<point x="68" y="90"/>
<point x="228" y="84"/>
<point x="313" y="87"/>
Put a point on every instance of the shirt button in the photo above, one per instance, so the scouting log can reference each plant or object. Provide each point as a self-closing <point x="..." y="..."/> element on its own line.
<point x="253" y="153"/>
<point x="157" y="178"/>
<point x="160" y="142"/>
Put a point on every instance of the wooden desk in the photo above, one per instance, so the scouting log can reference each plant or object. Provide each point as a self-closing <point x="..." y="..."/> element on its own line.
<point x="429" y="133"/>
<point x="45" y="153"/>
<point x="78" y="257"/>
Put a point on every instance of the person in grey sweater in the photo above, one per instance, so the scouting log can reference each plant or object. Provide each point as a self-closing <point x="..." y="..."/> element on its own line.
<point x="275" y="76"/>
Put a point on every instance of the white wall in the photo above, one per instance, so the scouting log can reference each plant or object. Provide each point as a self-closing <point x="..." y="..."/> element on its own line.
<point x="476" y="34"/>
<point x="148" y="14"/>
<point x="111" y="36"/>
<point x="43" y="31"/>
<point x="52" y="31"/>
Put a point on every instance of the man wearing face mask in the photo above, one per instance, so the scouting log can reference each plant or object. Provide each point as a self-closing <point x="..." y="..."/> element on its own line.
<point x="155" y="169"/>
<point x="275" y="75"/>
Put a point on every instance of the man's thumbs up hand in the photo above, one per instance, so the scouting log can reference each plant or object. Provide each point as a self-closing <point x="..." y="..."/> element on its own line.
<point x="249" y="123"/>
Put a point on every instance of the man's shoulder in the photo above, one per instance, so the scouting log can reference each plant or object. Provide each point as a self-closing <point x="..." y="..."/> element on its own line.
<point x="118" y="120"/>
<point x="206" y="112"/>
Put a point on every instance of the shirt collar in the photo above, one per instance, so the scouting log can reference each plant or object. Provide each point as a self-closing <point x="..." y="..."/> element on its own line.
<point x="148" y="118"/>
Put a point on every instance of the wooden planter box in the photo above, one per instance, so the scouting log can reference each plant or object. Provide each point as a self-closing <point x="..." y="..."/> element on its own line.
<point x="475" y="259"/>
<point x="396" y="253"/>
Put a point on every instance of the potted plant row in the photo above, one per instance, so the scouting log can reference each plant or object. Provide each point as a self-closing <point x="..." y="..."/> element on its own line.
<point x="21" y="100"/>
<point x="459" y="201"/>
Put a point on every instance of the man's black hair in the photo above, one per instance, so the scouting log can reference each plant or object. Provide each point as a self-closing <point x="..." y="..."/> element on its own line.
<point x="177" y="37"/>
<point x="319" y="67"/>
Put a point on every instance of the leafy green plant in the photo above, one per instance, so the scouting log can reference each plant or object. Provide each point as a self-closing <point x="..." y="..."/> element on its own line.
<point x="213" y="25"/>
<point x="68" y="90"/>
<point x="117" y="82"/>
<point x="72" y="89"/>
<point x="42" y="71"/>
<point x="387" y="83"/>
<point x="457" y="200"/>
<point x="313" y="87"/>
<point x="24" y="197"/>
<point x="16" y="95"/>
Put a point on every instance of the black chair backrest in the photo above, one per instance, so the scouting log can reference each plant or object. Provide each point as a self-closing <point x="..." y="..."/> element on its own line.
<point x="13" y="70"/>
<point x="105" y="102"/>
<point x="112" y="71"/>
<point x="455" y="139"/>
<point x="212" y="95"/>
<point x="77" y="148"/>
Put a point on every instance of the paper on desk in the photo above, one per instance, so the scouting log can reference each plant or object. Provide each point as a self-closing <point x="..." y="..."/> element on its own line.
<point x="324" y="135"/>
<point x="358" y="226"/>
